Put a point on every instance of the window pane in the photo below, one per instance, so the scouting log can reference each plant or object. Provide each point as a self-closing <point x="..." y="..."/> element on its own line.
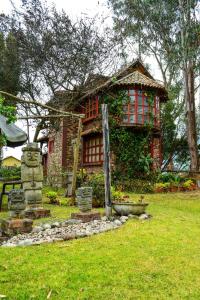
<point x="139" y="100"/>
<point x="146" y="101"/>
<point x="125" y="108"/>
<point x="125" y="118"/>
<point x="132" y="119"/>
<point x="132" y="109"/>
<point x="140" y="119"/>
<point x="139" y="92"/>
<point x="131" y="92"/>
<point x="140" y="109"/>
<point x="132" y="99"/>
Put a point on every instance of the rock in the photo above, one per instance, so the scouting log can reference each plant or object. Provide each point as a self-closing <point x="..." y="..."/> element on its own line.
<point x="72" y="221"/>
<point x="26" y="242"/>
<point x="46" y="226"/>
<point x="133" y="216"/>
<point x="8" y="245"/>
<point x="104" y="218"/>
<point x="123" y="219"/>
<point x="37" y="229"/>
<point x="69" y="236"/>
<point x="117" y="222"/>
<point x="55" y="224"/>
<point x="143" y="217"/>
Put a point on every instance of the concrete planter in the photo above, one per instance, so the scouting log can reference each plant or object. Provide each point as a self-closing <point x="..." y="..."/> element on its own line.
<point x="126" y="208"/>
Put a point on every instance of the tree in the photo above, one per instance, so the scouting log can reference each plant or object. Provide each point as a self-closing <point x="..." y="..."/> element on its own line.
<point x="166" y="32"/>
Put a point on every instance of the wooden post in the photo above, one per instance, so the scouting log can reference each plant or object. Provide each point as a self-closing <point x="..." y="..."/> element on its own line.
<point x="106" y="152"/>
<point x="76" y="157"/>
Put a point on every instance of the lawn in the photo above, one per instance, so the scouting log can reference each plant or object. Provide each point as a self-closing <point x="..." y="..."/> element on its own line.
<point x="154" y="259"/>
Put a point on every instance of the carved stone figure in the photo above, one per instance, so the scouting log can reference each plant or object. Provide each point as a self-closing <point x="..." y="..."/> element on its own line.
<point x="32" y="175"/>
<point x="16" y="204"/>
<point x="32" y="180"/>
<point x="84" y="198"/>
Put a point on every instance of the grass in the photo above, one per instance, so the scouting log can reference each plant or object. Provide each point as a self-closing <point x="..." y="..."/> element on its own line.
<point x="155" y="259"/>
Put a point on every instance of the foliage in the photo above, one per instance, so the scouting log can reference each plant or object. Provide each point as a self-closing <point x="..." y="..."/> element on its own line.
<point x="7" y="110"/>
<point x="146" y="250"/>
<point x="188" y="184"/>
<point x="96" y="181"/>
<point x="168" y="177"/>
<point x="10" y="62"/>
<point x="134" y="185"/>
<point x="10" y="173"/>
<point x="53" y="197"/>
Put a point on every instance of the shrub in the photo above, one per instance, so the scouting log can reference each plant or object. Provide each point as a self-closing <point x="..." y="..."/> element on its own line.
<point x="53" y="197"/>
<point x="135" y="186"/>
<point x="96" y="181"/>
<point x="10" y="173"/>
<point x="188" y="184"/>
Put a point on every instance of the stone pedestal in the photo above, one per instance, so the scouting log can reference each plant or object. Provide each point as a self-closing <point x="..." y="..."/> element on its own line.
<point x="86" y="216"/>
<point x="37" y="213"/>
<point x="16" y="226"/>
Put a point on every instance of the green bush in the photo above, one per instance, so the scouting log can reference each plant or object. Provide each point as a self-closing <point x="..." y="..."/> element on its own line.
<point x="53" y="197"/>
<point x="10" y="173"/>
<point x="96" y="181"/>
<point x="135" y="186"/>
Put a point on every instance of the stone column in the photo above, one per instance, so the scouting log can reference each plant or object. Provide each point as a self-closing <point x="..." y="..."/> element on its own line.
<point x="32" y="180"/>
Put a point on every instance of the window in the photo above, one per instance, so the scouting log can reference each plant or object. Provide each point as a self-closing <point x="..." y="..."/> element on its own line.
<point x="138" y="109"/>
<point x="51" y="146"/>
<point x="93" y="149"/>
<point x="91" y="109"/>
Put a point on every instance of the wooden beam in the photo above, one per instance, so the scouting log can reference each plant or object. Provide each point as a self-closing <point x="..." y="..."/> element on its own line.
<point x="106" y="152"/>
<point x="38" y="103"/>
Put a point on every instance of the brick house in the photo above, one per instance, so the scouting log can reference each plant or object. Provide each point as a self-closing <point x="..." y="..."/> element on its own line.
<point x="136" y="81"/>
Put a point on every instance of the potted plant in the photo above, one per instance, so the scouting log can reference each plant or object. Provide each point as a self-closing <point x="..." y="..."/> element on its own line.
<point x="125" y="208"/>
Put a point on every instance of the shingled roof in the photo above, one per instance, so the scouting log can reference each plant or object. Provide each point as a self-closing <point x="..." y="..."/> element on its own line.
<point x="126" y="76"/>
<point x="138" y="78"/>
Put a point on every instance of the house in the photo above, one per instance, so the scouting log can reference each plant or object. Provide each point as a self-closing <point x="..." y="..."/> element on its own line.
<point x="137" y="83"/>
<point x="10" y="162"/>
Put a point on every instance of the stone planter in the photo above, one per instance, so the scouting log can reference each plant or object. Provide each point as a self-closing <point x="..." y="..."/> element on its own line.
<point x="127" y="208"/>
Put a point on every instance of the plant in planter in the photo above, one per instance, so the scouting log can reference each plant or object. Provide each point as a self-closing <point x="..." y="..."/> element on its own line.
<point x="125" y="208"/>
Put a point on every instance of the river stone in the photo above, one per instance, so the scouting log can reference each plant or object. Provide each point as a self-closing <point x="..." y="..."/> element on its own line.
<point x="26" y="242"/>
<point x="37" y="229"/>
<point x="117" y="222"/>
<point x="143" y="217"/>
<point x="46" y="226"/>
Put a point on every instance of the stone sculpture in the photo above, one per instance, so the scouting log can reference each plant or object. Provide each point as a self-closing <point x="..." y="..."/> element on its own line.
<point x="32" y="180"/>
<point x="84" y="202"/>
<point x="16" y="223"/>
<point x="84" y="198"/>
<point x="16" y="204"/>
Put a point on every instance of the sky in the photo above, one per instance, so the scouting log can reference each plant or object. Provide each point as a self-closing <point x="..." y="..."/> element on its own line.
<point x="74" y="8"/>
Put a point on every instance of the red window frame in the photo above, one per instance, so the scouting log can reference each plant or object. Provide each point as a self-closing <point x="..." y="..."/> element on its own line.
<point x="50" y="146"/>
<point x="91" y="108"/>
<point x="93" y="149"/>
<point x="138" y="110"/>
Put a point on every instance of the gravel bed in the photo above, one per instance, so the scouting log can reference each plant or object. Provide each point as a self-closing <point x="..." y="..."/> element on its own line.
<point x="67" y="230"/>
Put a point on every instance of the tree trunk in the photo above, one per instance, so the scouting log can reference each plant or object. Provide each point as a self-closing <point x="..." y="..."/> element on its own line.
<point x="191" y="118"/>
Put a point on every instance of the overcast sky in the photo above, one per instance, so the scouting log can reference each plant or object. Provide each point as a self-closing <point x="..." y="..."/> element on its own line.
<point x="74" y="8"/>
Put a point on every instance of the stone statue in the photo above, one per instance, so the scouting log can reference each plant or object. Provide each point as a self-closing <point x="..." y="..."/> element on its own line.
<point x="16" y="223"/>
<point x="16" y="204"/>
<point x="32" y="175"/>
<point x="32" y="180"/>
